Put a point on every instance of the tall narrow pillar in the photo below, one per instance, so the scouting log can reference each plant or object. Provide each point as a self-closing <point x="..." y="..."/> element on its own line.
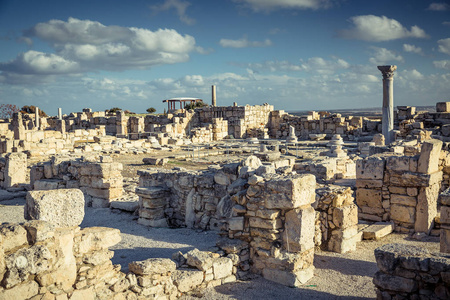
<point x="213" y="92"/>
<point x="59" y="113"/>
<point x="36" y="115"/>
<point x="388" y="102"/>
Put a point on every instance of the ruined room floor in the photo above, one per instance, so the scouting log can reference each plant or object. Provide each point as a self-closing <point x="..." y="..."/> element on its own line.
<point x="337" y="276"/>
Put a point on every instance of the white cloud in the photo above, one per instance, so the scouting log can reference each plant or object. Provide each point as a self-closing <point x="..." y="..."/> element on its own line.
<point x="193" y="80"/>
<point x="244" y="43"/>
<point x="322" y="66"/>
<point x="412" y="49"/>
<point x="270" y="5"/>
<point x="179" y="6"/>
<point x="438" y="6"/>
<point x="444" y="46"/>
<point x="381" y="56"/>
<point x="84" y="45"/>
<point x="412" y="75"/>
<point x="442" y="64"/>
<point x="446" y="23"/>
<point x="377" y="29"/>
<point x="34" y="62"/>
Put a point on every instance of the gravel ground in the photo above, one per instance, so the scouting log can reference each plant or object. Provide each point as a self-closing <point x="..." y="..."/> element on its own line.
<point x="337" y="276"/>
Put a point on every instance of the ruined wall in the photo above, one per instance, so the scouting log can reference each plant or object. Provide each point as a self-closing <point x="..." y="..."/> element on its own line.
<point x="99" y="178"/>
<point x="13" y="170"/>
<point x="41" y="261"/>
<point x="403" y="189"/>
<point x="409" y="272"/>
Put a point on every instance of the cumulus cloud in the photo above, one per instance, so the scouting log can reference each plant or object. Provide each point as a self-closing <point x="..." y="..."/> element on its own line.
<point x="244" y="43"/>
<point x="270" y="5"/>
<point x="378" y="29"/>
<point x="180" y="8"/>
<point x="412" y="49"/>
<point x="84" y="45"/>
<point x="442" y="64"/>
<point x="438" y="6"/>
<point x="381" y="56"/>
<point x="444" y="46"/>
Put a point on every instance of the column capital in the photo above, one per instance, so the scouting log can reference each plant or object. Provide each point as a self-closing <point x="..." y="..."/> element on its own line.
<point x="387" y="71"/>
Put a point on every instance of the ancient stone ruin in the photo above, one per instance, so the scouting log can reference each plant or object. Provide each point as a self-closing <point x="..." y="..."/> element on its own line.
<point x="275" y="187"/>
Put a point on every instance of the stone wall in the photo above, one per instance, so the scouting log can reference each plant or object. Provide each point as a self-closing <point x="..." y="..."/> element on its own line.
<point x="98" y="177"/>
<point x="403" y="189"/>
<point x="13" y="170"/>
<point x="409" y="272"/>
<point x="40" y="261"/>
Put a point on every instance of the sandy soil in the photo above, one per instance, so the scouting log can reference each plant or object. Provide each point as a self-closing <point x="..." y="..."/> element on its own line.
<point x="337" y="276"/>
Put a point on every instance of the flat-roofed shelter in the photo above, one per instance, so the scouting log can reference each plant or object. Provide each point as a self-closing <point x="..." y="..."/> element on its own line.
<point x="171" y="103"/>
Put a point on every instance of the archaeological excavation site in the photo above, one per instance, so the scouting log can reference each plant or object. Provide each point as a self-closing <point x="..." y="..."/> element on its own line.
<point x="226" y="202"/>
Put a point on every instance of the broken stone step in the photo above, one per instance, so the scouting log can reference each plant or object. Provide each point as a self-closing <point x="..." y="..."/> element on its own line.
<point x="377" y="230"/>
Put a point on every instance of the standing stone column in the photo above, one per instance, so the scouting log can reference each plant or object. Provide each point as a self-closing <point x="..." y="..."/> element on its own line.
<point x="59" y="113"/>
<point x="213" y="91"/>
<point x="388" y="102"/>
<point x="36" y="116"/>
<point x="19" y="129"/>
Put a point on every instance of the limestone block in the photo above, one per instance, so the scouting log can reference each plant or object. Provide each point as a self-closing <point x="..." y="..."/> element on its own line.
<point x="222" y="267"/>
<point x="15" y="169"/>
<point x="370" y="168"/>
<point x="39" y="230"/>
<point x="236" y="223"/>
<point x="299" y="229"/>
<point x="445" y="215"/>
<point x="104" y="183"/>
<point x="344" y="217"/>
<point x="409" y="179"/>
<point x="22" y="291"/>
<point x="429" y="157"/>
<point x="199" y="259"/>
<point x="369" y="197"/>
<point x="151" y="266"/>
<point x="12" y="236"/>
<point x="403" y="200"/>
<point x="445" y="240"/>
<point x="291" y="279"/>
<point x="339" y="244"/>
<point x="394" y="283"/>
<point x="377" y="230"/>
<point x="369" y="183"/>
<point x="152" y="213"/>
<point x="426" y="209"/>
<point x="397" y="163"/>
<point x="96" y="238"/>
<point x="187" y="280"/>
<point x="403" y="214"/>
<point x="106" y="170"/>
<point x="63" y="207"/>
<point x="152" y="202"/>
<point x="444" y="197"/>
<point x="264" y="223"/>
<point x="110" y="193"/>
<point x="443" y="107"/>
<point x="290" y="192"/>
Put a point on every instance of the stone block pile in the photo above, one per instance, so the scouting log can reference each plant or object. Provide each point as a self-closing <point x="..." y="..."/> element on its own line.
<point x="410" y="272"/>
<point x="274" y="216"/>
<point x="336" y="223"/>
<point x="444" y="225"/>
<point x="41" y="261"/>
<point x="402" y="189"/>
<point x="98" y="177"/>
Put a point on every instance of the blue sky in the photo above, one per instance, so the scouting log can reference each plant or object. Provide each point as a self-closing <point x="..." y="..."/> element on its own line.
<point x="294" y="54"/>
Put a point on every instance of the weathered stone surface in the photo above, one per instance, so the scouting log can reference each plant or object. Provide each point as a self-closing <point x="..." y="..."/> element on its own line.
<point x="370" y="168"/>
<point x="397" y="163"/>
<point x="236" y="223"/>
<point x="401" y="213"/>
<point x="199" y="259"/>
<point x="222" y="267"/>
<point x="429" y="157"/>
<point x="444" y="240"/>
<point x="152" y="266"/>
<point x="403" y="200"/>
<point x="187" y="280"/>
<point x="264" y="223"/>
<point x="426" y="209"/>
<point x="96" y="238"/>
<point x="39" y="230"/>
<point x="394" y="283"/>
<point x="368" y="197"/>
<point x="63" y="208"/>
<point x="153" y="223"/>
<point x="409" y="179"/>
<point x="388" y="256"/>
<point x="12" y="236"/>
<point x="289" y="278"/>
<point x="299" y="229"/>
<point x="346" y="216"/>
<point x="21" y="291"/>
<point x="290" y="192"/>
<point x="15" y="169"/>
<point x="377" y="230"/>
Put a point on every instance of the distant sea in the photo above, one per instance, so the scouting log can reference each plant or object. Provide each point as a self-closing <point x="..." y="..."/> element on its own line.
<point x="363" y="112"/>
